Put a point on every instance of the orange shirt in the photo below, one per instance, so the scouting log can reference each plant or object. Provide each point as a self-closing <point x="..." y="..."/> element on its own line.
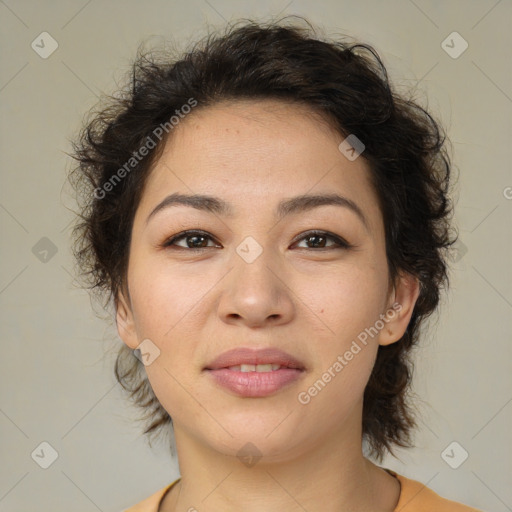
<point x="414" y="497"/>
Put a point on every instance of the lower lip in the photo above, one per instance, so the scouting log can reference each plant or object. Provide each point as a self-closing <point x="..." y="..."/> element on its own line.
<point x="255" y="384"/>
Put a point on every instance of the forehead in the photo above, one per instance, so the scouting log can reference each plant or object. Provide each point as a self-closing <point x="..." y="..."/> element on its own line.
<point x="256" y="126"/>
<point x="257" y="151"/>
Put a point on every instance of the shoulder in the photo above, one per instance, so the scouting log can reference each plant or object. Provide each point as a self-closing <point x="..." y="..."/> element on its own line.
<point x="417" y="497"/>
<point x="150" y="504"/>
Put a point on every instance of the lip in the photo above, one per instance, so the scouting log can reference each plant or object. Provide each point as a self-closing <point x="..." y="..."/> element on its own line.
<point x="243" y="355"/>
<point x="254" y="384"/>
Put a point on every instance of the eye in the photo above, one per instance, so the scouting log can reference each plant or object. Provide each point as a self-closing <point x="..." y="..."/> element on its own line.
<point x="196" y="239"/>
<point x="319" y="239"/>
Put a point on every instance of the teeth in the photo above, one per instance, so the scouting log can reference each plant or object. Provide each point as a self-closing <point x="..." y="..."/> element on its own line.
<point x="255" y="367"/>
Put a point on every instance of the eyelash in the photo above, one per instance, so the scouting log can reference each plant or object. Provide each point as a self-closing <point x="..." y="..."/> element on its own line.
<point x="340" y="242"/>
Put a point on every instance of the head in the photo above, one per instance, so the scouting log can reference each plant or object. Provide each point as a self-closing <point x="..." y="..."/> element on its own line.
<point x="253" y="118"/>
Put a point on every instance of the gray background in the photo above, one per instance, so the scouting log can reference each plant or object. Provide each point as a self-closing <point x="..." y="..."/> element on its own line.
<point x="57" y="383"/>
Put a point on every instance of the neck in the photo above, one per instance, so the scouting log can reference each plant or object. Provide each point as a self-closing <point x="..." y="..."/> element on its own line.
<point x="327" y="477"/>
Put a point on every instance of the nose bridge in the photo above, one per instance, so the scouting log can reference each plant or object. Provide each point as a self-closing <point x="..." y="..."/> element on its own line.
<point x="253" y="277"/>
<point x="255" y="292"/>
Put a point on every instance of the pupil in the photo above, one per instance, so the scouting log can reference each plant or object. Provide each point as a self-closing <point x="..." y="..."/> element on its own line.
<point x="310" y="238"/>
<point x="194" y="239"/>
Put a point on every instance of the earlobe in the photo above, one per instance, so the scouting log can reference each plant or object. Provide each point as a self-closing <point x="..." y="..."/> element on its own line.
<point x="400" y="309"/>
<point x="125" y="323"/>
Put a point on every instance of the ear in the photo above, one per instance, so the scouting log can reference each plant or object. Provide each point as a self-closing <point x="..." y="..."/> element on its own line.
<point x="125" y="322"/>
<point x="400" y="308"/>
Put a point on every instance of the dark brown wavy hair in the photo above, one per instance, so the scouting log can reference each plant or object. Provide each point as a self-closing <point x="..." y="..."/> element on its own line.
<point x="344" y="81"/>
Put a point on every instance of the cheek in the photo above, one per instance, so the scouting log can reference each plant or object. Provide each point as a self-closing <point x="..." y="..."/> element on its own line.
<point x="167" y="305"/>
<point x="163" y="299"/>
<point x="165" y="309"/>
<point x="346" y="302"/>
<point x="347" y="309"/>
<point x="334" y="393"/>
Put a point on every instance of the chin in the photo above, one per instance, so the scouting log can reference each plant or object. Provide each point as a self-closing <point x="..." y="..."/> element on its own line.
<point x="253" y="445"/>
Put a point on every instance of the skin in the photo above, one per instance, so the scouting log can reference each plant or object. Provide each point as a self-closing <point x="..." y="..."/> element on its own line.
<point x="311" y="302"/>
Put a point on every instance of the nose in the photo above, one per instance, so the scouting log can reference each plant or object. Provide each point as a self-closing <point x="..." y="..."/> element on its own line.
<point x="256" y="294"/>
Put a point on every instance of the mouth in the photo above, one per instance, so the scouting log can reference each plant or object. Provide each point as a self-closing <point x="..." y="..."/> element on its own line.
<point x="250" y="373"/>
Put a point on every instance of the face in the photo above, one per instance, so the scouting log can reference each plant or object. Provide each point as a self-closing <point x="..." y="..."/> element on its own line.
<point x="256" y="277"/>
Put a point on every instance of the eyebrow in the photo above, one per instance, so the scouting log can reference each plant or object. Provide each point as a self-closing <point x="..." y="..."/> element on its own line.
<point x="286" y="207"/>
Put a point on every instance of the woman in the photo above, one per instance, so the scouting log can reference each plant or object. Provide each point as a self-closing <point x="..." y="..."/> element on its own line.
<point x="271" y="221"/>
